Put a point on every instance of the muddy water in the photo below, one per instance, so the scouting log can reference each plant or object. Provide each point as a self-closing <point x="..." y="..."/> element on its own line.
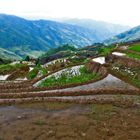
<point x="100" y="60"/>
<point x="69" y="122"/>
<point x="118" y="54"/>
<point x="3" y="77"/>
<point x="24" y="111"/>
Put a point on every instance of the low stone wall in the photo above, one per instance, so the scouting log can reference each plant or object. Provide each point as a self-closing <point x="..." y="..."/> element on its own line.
<point x="25" y="95"/>
<point x="28" y="83"/>
<point x="123" y="77"/>
<point x="100" y="70"/>
<point x="30" y="89"/>
<point x="99" y="91"/>
<point x="42" y="77"/>
<point x="14" y="85"/>
<point x="112" y="100"/>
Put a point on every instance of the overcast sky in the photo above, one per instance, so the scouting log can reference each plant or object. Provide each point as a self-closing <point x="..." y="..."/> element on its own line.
<point x="125" y="12"/>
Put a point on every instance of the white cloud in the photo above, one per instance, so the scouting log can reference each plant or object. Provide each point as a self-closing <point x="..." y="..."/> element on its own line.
<point x="118" y="11"/>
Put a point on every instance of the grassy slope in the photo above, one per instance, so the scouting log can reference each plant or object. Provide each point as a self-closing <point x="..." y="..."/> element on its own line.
<point x="135" y="47"/>
<point x="7" y="68"/>
<point x="64" y="80"/>
<point x="134" y="56"/>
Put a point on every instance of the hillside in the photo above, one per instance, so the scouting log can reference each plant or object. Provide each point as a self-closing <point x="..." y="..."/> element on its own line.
<point x="20" y="37"/>
<point x="104" y="30"/>
<point x="68" y="51"/>
<point x="128" y="36"/>
<point x="24" y="37"/>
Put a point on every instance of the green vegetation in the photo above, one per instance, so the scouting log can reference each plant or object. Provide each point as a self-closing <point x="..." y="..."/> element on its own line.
<point x="64" y="79"/>
<point x="63" y="49"/>
<point x="130" y="74"/>
<point x="105" y="50"/>
<point x="8" y="68"/>
<point x="134" y="56"/>
<point x="4" y="61"/>
<point x="68" y="51"/>
<point x="135" y="47"/>
<point x="25" y="38"/>
<point x="39" y="122"/>
<point x="73" y="61"/>
<point x="27" y="58"/>
<point x="135" y="81"/>
<point x="33" y="73"/>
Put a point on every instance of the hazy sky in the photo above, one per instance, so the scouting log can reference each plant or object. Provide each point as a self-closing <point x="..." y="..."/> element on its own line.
<point x="125" y="12"/>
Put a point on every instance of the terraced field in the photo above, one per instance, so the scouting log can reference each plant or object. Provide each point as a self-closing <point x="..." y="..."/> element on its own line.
<point x="72" y="111"/>
<point x="25" y="91"/>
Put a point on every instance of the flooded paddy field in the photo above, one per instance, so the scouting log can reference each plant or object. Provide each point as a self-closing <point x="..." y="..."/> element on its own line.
<point x="55" y="121"/>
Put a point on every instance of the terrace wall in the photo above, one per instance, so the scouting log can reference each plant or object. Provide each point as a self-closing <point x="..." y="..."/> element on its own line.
<point x="128" y="62"/>
<point x="35" y="97"/>
<point x="96" y="67"/>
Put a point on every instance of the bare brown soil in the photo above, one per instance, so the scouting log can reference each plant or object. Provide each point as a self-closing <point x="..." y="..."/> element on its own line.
<point x="60" y="121"/>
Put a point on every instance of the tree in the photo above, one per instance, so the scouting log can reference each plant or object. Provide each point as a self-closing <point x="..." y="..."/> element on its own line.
<point x="27" y="58"/>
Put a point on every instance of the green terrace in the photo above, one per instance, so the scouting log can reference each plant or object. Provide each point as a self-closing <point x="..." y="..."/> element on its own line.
<point x="132" y="55"/>
<point x="133" y="51"/>
<point x="65" y="79"/>
<point x="135" y="47"/>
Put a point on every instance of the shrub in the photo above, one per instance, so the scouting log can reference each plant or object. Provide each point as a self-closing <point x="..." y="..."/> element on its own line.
<point x="8" y="68"/>
<point x="33" y="73"/>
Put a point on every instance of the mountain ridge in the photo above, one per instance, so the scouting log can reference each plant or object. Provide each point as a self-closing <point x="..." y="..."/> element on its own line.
<point x="33" y="37"/>
<point x="128" y="36"/>
<point x="104" y="29"/>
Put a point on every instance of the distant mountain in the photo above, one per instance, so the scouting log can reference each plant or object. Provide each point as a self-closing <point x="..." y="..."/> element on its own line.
<point x="103" y="30"/>
<point x="20" y="37"/>
<point x="128" y="36"/>
<point x="24" y="37"/>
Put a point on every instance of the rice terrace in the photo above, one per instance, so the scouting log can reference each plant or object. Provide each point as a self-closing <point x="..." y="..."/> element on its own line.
<point x="69" y="70"/>
<point x="94" y="90"/>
